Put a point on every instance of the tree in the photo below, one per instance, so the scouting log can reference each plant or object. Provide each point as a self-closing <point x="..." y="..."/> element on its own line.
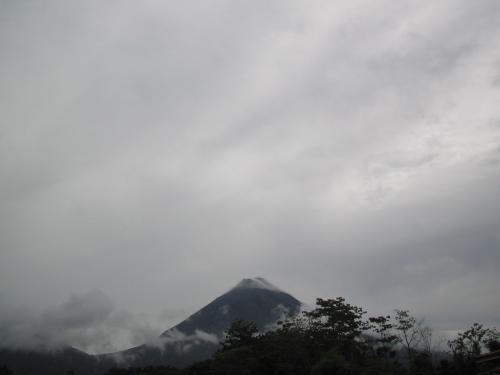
<point x="493" y="345"/>
<point x="408" y="328"/>
<point x="469" y="344"/>
<point x="493" y="340"/>
<point x="241" y="333"/>
<point x="425" y="358"/>
<point x="384" y="338"/>
<point x="425" y="339"/>
<point x="337" y="324"/>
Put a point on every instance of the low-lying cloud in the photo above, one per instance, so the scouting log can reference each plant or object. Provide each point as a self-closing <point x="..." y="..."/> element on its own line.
<point x="87" y="321"/>
<point x="162" y="151"/>
<point x="183" y="342"/>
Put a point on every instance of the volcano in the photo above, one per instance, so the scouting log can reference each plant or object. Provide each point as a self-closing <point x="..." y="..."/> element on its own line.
<point x="195" y="339"/>
<point x="199" y="336"/>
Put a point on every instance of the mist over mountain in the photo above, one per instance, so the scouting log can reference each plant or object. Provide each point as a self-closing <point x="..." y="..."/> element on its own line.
<point x="88" y="321"/>
<point x="194" y="339"/>
<point x="199" y="336"/>
<point x="153" y="152"/>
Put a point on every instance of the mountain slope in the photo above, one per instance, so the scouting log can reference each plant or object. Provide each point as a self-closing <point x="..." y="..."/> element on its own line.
<point x="194" y="339"/>
<point x="199" y="336"/>
<point x="248" y="301"/>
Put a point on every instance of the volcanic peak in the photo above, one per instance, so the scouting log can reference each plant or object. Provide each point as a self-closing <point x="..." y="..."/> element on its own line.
<point x="256" y="283"/>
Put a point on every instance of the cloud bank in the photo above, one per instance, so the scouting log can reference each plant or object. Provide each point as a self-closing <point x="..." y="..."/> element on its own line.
<point x="161" y="152"/>
<point x="88" y="322"/>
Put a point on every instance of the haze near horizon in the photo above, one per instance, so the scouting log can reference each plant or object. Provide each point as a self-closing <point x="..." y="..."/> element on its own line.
<point x="153" y="154"/>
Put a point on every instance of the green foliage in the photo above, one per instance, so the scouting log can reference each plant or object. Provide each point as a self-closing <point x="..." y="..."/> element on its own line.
<point x="384" y="340"/>
<point x="337" y="319"/>
<point x="241" y="333"/>
<point x="334" y="323"/>
<point x="469" y="344"/>
<point x="493" y="340"/>
<point x="333" y="339"/>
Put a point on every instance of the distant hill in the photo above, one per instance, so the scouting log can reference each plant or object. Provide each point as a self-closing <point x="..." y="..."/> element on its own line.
<point x="194" y="339"/>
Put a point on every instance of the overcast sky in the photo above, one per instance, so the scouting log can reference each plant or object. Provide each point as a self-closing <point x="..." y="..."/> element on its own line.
<point x="154" y="153"/>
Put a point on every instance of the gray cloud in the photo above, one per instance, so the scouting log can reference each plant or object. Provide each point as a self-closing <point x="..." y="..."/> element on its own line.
<point x="183" y="342"/>
<point x="160" y="152"/>
<point x="88" y="321"/>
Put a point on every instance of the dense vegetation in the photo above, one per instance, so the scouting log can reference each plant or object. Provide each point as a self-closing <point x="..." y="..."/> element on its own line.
<point x="336" y="338"/>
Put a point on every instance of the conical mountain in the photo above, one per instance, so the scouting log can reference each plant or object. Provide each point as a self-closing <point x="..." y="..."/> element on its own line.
<point x="255" y="299"/>
<point x="199" y="336"/>
<point x="195" y="339"/>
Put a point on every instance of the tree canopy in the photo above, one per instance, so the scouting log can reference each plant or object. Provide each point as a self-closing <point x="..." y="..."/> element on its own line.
<point x="336" y="338"/>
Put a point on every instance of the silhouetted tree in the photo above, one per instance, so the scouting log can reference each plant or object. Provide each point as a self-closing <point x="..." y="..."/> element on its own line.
<point x="468" y="345"/>
<point x="408" y="329"/>
<point x="336" y="324"/>
<point x="493" y="345"/>
<point x="493" y="340"/>
<point x="331" y="340"/>
<point x="384" y="338"/>
<point x="241" y="333"/>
